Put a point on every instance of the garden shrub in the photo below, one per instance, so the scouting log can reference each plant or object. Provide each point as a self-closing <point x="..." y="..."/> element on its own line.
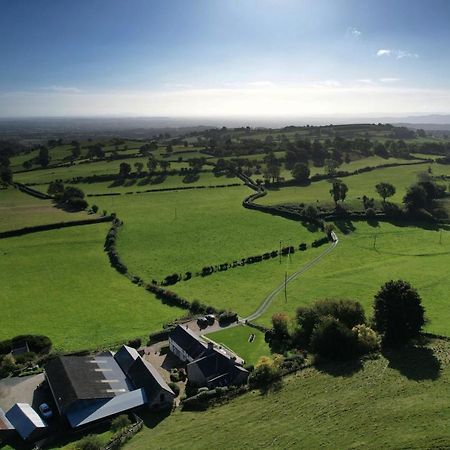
<point x="90" y="442"/>
<point x="120" y="422"/>
<point x="334" y="340"/>
<point x="368" y="340"/>
<point x="36" y="343"/>
<point x="267" y="370"/>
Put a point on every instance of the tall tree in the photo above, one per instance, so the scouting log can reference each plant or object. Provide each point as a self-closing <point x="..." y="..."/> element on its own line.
<point x="385" y="190"/>
<point x="43" y="157"/>
<point x="398" y="312"/>
<point x="338" y="191"/>
<point x="301" y="172"/>
<point x="124" y="170"/>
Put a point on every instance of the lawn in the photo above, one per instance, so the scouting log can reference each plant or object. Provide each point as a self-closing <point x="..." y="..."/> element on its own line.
<point x="399" y="400"/>
<point x="18" y="210"/>
<point x="59" y="283"/>
<point x="238" y="340"/>
<point x="356" y="270"/>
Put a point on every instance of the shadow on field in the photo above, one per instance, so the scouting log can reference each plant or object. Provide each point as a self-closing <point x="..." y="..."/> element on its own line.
<point x="338" y="368"/>
<point x="151" y="418"/>
<point x="345" y="226"/>
<point x="414" y="362"/>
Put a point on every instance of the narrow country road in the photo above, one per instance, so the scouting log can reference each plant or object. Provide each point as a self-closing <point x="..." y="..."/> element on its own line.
<point x="268" y="300"/>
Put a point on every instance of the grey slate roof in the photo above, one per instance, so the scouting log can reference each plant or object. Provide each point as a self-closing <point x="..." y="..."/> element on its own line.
<point x="125" y="357"/>
<point x="218" y="368"/>
<point x="188" y="341"/>
<point x="99" y="409"/>
<point x="144" y="375"/>
<point x="74" y="378"/>
<point x="25" y="419"/>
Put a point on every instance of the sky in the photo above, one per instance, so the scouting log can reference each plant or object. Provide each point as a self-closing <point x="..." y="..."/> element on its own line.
<point x="214" y="58"/>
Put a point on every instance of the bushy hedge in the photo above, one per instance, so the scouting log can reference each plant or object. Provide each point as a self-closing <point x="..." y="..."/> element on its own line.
<point x="36" y="343"/>
<point x="209" y="270"/>
<point x="110" y="247"/>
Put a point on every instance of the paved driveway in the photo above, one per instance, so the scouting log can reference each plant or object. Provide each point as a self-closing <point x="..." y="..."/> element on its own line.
<point x="19" y="389"/>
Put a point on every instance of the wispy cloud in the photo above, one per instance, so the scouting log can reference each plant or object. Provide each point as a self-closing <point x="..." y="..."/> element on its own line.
<point x="355" y="32"/>
<point x="63" y="89"/>
<point x="384" y="52"/>
<point x="398" y="54"/>
<point x="389" y="80"/>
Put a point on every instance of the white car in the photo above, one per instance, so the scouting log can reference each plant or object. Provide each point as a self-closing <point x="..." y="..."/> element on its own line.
<point x="45" y="410"/>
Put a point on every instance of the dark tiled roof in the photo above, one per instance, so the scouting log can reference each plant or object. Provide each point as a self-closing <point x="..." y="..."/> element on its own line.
<point x="217" y="367"/>
<point x="188" y="341"/>
<point x="125" y="357"/>
<point x="145" y="376"/>
<point x="74" y="378"/>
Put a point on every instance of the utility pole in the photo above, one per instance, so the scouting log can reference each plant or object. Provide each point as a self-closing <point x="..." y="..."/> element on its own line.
<point x="374" y="240"/>
<point x="279" y="253"/>
<point x="440" y="238"/>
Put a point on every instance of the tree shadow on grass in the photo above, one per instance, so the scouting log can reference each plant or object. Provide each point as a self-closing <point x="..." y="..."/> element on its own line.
<point x="339" y="368"/>
<point x="310" y="226"/>
<point x="158" y="179"/>
<point x="130" y="182"/>
<point x="414" y="362"/>
<point x="153" y="418"/>
<point x="345" y="226"/>
<point x="144" y="181"/>
<point x="117" y="182"/>
<point x="373" y="222"/>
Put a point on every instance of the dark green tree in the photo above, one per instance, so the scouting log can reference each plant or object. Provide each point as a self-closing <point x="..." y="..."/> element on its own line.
<point x="300" y="172"/>
<point x="385" y="190"/>
<point x="398" y="312"/>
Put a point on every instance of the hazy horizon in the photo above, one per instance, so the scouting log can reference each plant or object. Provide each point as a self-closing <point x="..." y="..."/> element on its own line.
<point x="253" y="58"/>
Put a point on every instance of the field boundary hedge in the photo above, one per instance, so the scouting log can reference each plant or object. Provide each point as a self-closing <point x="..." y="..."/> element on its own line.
<point x="181" y="188"/>
<point x="33" y="192"/>
<point x="53" y="226"/>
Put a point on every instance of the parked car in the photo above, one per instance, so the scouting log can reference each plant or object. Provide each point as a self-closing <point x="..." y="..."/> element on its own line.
<point x="202" y="322"/>
<point x="45" y="411"/>
<point x="210" y="319"/>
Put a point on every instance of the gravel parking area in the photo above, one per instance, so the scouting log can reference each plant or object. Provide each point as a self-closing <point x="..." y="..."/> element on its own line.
<point x="19" y="390"/>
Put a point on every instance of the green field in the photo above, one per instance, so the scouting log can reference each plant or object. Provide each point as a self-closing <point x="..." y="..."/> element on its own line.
<point x="59" y="283"/>
<point x="179" y="231"/>
<point x="237" y="339"/>
<point x="83" y="170"/>
<point x="358" y="186"/>
<point x="356" y="270"/>
<point x="18" y="210"/>
<point x="399" y="400"/>
<point x="143" y="184"/>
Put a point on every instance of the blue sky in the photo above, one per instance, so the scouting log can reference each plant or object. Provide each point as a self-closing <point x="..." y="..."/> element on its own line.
<point x="224" y="57"/>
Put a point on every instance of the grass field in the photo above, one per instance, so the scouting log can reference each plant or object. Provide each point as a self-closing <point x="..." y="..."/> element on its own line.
<point x="18" y="210"/>
<point x="358" y="186"/>
<point x="237" y="339"/>
<point x="82" y="170"/>
<point x="399" y="400"/>
<point x="183" y="231"/>
<point x="356" y="270"/>
<point x="135" y="185"/>
<point x="59" y="283"/>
